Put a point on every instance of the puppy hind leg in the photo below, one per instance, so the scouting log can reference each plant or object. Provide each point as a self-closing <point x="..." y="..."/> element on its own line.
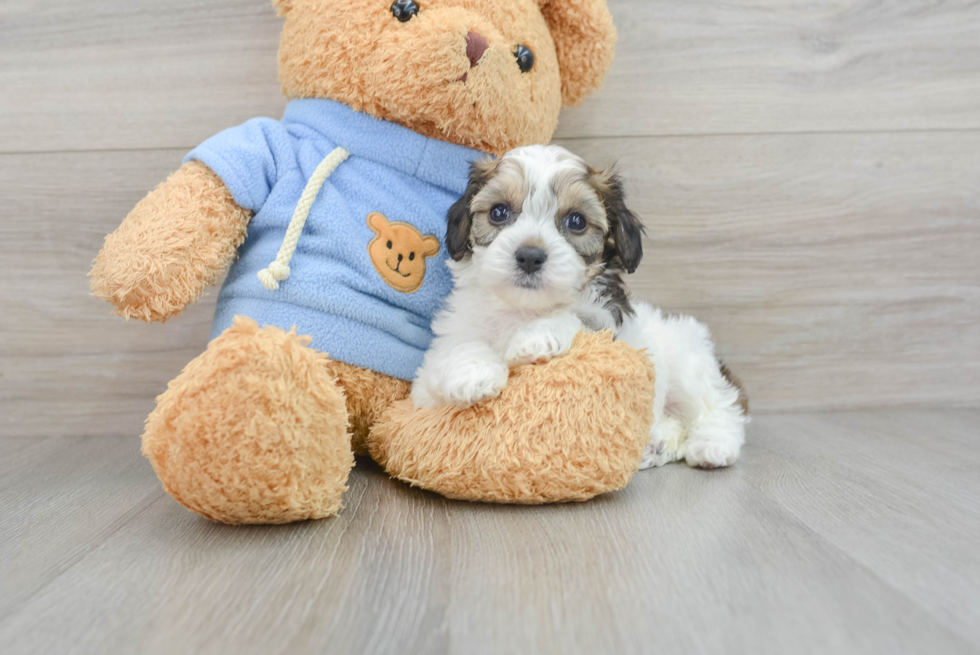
<point x="695" y="391"/>
<point x="717" y="429"/>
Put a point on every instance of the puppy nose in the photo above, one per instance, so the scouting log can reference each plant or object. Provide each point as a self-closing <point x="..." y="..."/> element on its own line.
<point x="530" y="259"/>
<point x="476" y="45"/>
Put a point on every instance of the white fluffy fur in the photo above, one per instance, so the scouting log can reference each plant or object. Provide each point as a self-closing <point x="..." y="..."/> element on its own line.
<point x="696" y="413"/>
<point x="490" y="323"/>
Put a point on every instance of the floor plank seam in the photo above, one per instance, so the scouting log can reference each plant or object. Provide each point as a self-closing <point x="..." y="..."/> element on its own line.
<point x="119" y="524"/>
<point x="787" y="515"/>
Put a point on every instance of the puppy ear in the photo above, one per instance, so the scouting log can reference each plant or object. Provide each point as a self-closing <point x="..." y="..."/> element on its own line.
<point x="585" y="39"/>
<point x="282" y="6"/>
<point x="625" y="229"/>
<point x="460" y="219"/>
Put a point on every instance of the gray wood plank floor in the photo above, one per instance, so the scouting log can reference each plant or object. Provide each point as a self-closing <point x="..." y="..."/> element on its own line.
<point x="836" y="533"/>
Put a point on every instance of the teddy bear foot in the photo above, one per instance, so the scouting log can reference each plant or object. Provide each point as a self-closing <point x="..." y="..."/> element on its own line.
<point x="255" y="430"/>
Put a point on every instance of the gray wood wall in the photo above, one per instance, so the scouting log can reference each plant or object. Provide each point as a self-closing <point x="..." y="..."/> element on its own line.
<point x="809" y="172"/>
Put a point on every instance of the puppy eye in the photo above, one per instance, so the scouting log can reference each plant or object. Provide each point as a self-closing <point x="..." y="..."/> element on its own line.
<point x="525" y="58"/>
<point x="404" y="10"/>
<point x="576" y="222"/>
<point x="389" y="245"/>
<point x="499" y="214"/>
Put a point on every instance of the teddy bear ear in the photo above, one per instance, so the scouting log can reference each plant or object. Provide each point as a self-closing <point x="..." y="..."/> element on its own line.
<point x="377" y="222"/>
<point x="585" y="39"/>
<point x="282" y="6"/>
<point x="431" y="245"/>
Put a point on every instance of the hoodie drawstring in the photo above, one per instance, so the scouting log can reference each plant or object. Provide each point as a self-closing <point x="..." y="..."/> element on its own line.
<point x="279" y="269"/>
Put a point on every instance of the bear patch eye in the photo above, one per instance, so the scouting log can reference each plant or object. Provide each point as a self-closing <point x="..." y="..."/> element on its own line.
<point x="499" y="214"/>
<point x="525" y="58"/>
<point x="576" y="223"/>
<point x="404" y="10"/>
<point x="389" y="245"/>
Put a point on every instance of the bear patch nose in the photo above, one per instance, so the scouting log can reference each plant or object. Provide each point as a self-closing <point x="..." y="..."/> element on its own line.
<point x="476" y="45"/>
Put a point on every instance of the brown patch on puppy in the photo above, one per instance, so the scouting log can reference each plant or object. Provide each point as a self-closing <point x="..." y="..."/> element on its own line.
<point x="614" y="294"/>
<point x="492" y="183"/>
<point x="624" y="245"/>
<point x="508" y="186"/>
<point x="576" y="194"/>
<point x="460" y="219"/>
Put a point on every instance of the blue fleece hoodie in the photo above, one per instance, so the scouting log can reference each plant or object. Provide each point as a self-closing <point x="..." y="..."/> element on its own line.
<point x="336" y="292"/>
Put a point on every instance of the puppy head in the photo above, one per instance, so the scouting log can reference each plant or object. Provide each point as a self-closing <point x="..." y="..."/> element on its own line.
<point x="538" y="225"/>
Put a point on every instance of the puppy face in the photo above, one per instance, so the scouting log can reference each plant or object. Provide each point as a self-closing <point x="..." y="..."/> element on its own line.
<point x="539" y="225"/>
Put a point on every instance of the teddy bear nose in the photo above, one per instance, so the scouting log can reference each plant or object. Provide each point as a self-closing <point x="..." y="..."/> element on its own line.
<point x="476" y="45"/>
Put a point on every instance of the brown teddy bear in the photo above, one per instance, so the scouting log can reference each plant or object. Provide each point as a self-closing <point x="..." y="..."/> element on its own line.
<point x="331" y="221"/>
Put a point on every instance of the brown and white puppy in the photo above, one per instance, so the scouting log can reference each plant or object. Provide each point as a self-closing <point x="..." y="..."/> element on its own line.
<point x="540" y="243"/>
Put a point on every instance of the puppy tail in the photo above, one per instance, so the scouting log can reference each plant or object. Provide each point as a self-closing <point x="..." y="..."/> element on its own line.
<point x="743" y="398"/>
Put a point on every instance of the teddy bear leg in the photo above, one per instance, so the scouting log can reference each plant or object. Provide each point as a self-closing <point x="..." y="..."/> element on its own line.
<point x="368" y="395"/>
<point x="255" y="430"/>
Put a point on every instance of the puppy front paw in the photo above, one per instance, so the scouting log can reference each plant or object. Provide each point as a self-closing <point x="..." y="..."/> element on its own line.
<point x="422" y="396"/>
<point x="473" y="381"/>
<point x="537" y="347"/>
<point x="666" y="436"/>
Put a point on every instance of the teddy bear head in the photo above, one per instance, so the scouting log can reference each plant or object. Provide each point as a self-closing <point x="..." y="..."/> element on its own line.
<point x="486" y="74"/>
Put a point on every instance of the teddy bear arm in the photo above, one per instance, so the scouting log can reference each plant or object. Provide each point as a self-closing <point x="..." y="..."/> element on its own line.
<point x="564" y="431"/>
<point x="175" y="243"/>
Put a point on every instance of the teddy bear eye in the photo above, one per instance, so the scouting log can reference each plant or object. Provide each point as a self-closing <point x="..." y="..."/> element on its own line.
<point x="389" y="245"/>
<point x="411" y="256"/>
<point x="404" y="10"/>
<point x="525" y="58"/>
<point x="499" y="214"/>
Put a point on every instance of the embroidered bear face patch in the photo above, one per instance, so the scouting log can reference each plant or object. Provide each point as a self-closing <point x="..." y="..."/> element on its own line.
<point x="398" y="252"/>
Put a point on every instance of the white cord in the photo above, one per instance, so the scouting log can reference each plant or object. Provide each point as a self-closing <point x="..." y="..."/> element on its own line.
<point x="279" y="269"/>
